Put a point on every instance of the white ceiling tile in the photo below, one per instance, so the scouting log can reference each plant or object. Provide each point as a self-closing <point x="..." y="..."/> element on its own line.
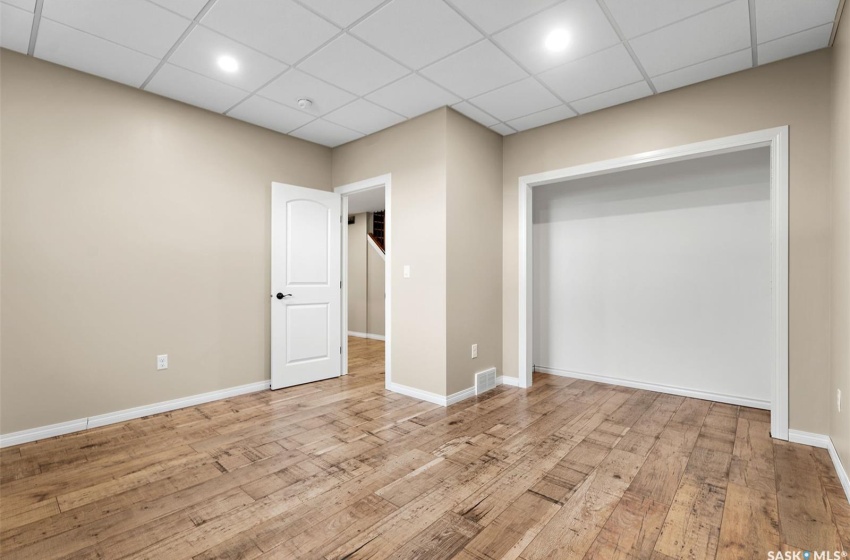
<point x="516" y="100"/>
<point x="135" y="24"/>
<point x="194" y="89"/>
<point x="323" y="132"/>
<point x="295" y="85"/>
<point x="707" y="70"/>
<point x="714" y="33"/>
<point x="585" y="22"/>
<point x="474" y="113"/>
<point x="502" y="129"/>
<point x="370" y="200"/>
<point x="343" y="13"/>
<point x="412" y="96"/>
<point x="186" y="8"/>
<point x="475" y="70"/>
<point x="62" y="45"/>
<point x="614" y="97"/>
<point x="778" y="18"/>
<point x="416" y="32"/>
<point x="548" y="116"/>
<point x="268" y="114"/>
<point x="792" y="45"/>
<point x="637" y="18"/>
<point x="493" y="15"/>
<point x="594" y="74"/>
<point x="15" y="28"/>
<point x="279" y="28"/>
<point x="202" y="48"/>
<point x="364" y="117"/>
<point x="353" y="66"/>
<point x="28" y="5"/>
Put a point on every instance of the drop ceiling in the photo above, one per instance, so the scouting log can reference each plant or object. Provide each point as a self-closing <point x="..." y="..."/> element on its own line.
<point x="369" y="64"/>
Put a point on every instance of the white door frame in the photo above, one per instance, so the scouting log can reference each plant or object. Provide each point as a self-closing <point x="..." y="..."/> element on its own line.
<point x="774" y="138"/>
<point x="346" y="190"/>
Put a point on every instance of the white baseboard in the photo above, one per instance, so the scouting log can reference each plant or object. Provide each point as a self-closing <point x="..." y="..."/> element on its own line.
<point x="658" y="388"/>
<point x="505" y="380"/>
<point x="426" y="396"/>
<point x="44" y="432"/>
<point x="460" y="395"/>
<point x="842" y="472"/>
<point x="35" y="434"/>
<point x="809" y="438"/>
<point x="367" y="335"/>
<point x="825" y="442"/>
<point x="440" y="399"/>
<point x="166" y="406"/>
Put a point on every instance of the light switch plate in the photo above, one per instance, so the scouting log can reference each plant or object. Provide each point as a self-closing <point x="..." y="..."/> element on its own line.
<point x="406" y="271"/>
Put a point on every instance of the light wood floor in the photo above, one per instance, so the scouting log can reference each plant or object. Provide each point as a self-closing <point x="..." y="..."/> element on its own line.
<point x="345" y="469"/>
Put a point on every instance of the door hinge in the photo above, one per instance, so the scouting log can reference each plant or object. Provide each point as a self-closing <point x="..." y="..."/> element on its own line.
<point x="340" y="349"/>
<point x="340" y="284"/>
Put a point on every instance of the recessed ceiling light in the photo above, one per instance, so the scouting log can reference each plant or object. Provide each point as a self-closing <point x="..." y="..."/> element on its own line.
<point x="228" y="63"/>
<point x="557" y="40"/>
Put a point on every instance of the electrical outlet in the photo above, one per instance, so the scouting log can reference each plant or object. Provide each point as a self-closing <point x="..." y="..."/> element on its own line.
<point x="162" y="361"/>
<point x="474" y="350"/>
<point x="839" y="400"/>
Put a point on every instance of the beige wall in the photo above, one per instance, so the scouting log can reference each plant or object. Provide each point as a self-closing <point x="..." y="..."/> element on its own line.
<point x="132" y="226"/>
<point x="375" y="293"/>
<point x="474" y="251"/>
<point x="795" y="92"/>
<point x="446" y="177"/>
<point x="840" y="421"/>
<point x="415" y="153"/>
<point x="357" y="271"/>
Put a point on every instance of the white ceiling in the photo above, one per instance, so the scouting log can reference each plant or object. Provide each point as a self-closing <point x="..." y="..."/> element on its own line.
<point x="371" y="200"/>
<point x="369" y="64"/>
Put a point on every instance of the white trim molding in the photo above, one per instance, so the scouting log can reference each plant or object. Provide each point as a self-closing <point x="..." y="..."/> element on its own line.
<point x="774" y="138"/>
<point x="375" y="248"/>
<point x="446" y="400"/>
<point x="509" y="381"/>
<point x="367" y="335"/>
<point x="385" y="181"/>
<point x="839" y="469"/>
<point x="809" y="438"/>
<point x="825" y="442"/>
<point x="44" y="432"/>
<point x="658" y="388"/>
<point x="427" y="396"/>
<point x="460" y="396"/>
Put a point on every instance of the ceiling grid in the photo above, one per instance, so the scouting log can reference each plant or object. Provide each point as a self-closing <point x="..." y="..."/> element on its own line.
<point x="369" y="64"/>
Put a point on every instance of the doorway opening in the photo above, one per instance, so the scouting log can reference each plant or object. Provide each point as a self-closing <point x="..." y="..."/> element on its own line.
<point x="643" y="320"/>
<point x="366" y="292"/>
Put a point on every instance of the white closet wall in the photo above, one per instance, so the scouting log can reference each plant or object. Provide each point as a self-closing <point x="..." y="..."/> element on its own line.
<point x="659" y="276"/>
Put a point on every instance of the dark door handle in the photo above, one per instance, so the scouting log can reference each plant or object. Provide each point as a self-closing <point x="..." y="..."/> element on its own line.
<point x="281" y="295"/>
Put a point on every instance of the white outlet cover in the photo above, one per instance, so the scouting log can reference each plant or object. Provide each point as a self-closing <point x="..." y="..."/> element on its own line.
<point x="162" y="361"/>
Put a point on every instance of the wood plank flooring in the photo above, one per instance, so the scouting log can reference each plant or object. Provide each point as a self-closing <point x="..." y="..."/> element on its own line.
<point x="343" y="469"/>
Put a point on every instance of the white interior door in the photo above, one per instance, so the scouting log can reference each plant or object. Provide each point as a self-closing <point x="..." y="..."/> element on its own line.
<point x="306" y="322"/>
